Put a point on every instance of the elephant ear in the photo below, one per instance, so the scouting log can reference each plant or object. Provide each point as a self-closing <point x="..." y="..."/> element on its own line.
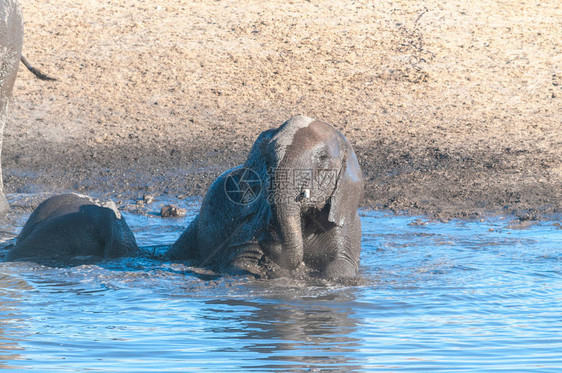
<point x="348" y="192"/>
<point x="259" y="158"/>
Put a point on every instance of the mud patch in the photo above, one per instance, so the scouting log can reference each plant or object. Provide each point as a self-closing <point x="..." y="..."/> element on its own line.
<point x="453" y="110"/>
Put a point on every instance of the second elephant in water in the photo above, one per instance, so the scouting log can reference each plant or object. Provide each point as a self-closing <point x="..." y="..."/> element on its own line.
<point x="68" y="226"/>
<point x="292" y="203"/>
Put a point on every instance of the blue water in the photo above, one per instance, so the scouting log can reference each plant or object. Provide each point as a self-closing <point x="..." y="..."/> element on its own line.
<point x="462" y="295"/>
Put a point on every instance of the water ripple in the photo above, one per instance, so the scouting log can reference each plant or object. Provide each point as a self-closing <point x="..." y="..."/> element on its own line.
<point x="462" y="295"/>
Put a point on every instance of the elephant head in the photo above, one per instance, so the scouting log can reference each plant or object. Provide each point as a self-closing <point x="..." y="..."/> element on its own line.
<point x="313" y="178"/>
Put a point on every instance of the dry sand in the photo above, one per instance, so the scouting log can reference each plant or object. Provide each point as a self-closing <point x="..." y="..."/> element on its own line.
<point x="454" y="108"/>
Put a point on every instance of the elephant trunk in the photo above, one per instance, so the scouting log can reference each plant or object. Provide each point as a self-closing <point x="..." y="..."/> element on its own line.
<point x="290" y="233"/>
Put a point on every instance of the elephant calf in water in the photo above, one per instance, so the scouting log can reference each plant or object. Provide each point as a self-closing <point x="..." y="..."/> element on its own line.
<point x="72" y="225"/>
<point x="292" y="204"/>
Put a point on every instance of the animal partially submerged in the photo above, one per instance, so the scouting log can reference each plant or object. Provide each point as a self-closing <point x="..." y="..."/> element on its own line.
<point x="293" y="203"/>
<point x="68" y="226"/>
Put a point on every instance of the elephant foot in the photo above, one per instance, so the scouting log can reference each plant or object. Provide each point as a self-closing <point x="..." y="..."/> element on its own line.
<point x="340" y="268"/>
<point x="246" y="261"/>
<point x="240" y="267"/>
<point x="273" y="270"/>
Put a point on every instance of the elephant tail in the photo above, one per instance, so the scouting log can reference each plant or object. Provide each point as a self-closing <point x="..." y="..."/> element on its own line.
<point x="35" y="71"/>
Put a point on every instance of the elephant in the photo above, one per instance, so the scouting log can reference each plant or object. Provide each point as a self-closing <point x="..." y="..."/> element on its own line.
<point x="70" y="226"/>
<point x="11" y="39"/>
<point x="292" y="205"/>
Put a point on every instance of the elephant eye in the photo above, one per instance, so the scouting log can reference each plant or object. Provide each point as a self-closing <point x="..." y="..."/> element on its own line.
<point x="323" y="157"/>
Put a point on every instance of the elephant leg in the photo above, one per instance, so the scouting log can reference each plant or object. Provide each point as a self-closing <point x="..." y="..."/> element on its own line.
<point x="340" y="268"/>
<point x="11" y="38"/>
<point x="246" y="259"/>
<point x="335" y="251"/>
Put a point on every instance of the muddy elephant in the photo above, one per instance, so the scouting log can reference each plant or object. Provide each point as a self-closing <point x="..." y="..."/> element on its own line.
<point x="292" y="204"/>
<point x="11" y="38"/>
<point x="68" y="226"/>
